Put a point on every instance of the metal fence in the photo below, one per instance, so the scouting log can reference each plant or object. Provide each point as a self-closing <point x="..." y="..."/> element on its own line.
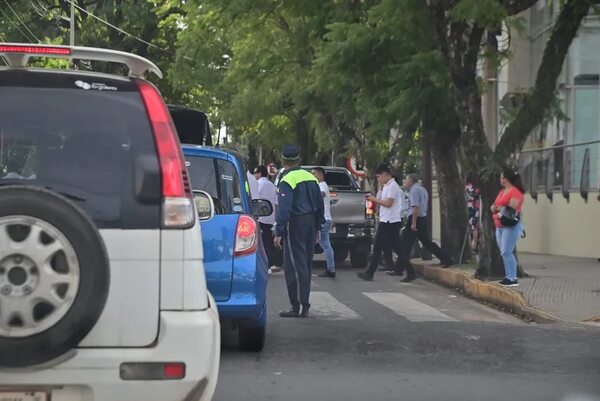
<point x="567" y="169"/>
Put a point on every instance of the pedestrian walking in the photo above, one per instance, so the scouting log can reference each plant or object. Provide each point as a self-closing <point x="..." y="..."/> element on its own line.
<point x="472" y="195"/>
<point x="267" y="191"/>
<point x="300" y="216"/>
<point x="416" y="228"/>
<point x="506" y="211"/>
<point x="390" y="219"/>
<point x="325" y="242"/>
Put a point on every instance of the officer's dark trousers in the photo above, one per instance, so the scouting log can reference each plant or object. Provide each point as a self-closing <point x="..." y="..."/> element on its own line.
<point x="407" y="240"/>
<point x="298" y="253"/>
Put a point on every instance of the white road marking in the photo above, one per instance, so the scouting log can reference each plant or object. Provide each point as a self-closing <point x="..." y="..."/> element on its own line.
<point x="323" y="304"/>
<point x="408" y="307"/>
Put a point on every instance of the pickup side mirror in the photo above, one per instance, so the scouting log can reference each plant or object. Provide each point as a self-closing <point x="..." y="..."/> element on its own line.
<point x="205" y="206"/>
<point x="261" y="208"/>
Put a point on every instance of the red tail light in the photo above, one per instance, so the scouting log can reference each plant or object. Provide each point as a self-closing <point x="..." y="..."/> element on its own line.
<point x="246" y="236"/>
<point x="178" y="210"/>
<point x="369" y="209"/>
<point x="32" y="49"/>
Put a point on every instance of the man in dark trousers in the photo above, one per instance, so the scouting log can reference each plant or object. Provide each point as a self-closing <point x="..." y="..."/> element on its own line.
<point x="416" y="228"/>
<point x="299" y="219"/>
<point x="390" y="201"/>
<point x="267" y="191"/>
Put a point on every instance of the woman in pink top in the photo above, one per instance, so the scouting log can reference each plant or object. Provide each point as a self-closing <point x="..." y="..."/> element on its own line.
<point x="511" y="195"/>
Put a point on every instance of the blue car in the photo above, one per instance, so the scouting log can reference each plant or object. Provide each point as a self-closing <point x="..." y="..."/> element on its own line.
<point x="234" y="258"/>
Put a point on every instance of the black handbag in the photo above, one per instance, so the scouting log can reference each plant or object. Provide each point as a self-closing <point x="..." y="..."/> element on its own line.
<point x="509" y="217"/>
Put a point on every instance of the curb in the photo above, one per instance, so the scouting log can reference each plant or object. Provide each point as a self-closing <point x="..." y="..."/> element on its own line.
<point x="492" y="293"/>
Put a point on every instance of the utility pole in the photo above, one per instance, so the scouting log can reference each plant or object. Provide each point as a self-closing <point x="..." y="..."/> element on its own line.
<point x="72" y="36"/>
<point x="427" y="179"/>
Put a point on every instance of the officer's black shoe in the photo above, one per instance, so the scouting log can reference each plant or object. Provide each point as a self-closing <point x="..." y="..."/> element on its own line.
<point x="365" y="276"/>
<point x="305" y="309"/>
<point x="408" y="279"/>
<point x="327" y="274"/>
<point x="290" y="313"/>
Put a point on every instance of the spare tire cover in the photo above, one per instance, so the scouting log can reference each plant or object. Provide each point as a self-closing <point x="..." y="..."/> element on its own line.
<point x="54" y="276"/>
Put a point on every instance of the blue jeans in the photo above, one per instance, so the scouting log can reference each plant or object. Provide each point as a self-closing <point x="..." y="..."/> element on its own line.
<point x="507" y="238"/>
<point x="326" y="245"/>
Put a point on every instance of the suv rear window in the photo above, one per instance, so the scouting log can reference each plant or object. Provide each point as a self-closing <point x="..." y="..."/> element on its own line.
<point x="220" y="179"/>
<point x="61" y="132"/>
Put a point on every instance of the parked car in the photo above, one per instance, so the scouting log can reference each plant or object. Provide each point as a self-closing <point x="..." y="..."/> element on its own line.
<point x="353" y="216"/>
<point x="102" y="289"/>
<point x="234" y="257"/>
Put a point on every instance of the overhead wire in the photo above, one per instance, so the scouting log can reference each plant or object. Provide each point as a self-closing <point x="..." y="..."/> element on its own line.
<point x="21" y="21"/>
<point x="16" y="26"/>
<point x="115" y="27"/>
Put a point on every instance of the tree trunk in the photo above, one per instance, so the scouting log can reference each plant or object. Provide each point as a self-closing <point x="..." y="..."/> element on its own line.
<point x="453" y="212"/>
<point x="488" y="248"/>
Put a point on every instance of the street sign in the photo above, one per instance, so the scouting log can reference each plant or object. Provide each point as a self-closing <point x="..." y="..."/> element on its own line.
<point x="356" y="168"/>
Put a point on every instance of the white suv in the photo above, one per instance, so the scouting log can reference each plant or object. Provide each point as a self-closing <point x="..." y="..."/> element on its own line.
<point x="102" y="287"/>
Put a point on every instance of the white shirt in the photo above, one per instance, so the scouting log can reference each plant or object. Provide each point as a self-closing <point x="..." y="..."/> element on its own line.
<point x="267" y="191"/>
<point x="326" y="200"/>
<point x="253" y="183"/>
<point x="391" y="214"/>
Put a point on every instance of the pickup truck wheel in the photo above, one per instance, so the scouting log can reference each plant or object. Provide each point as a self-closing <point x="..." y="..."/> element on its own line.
<point x="359" y="259"/>
<point x="54" y="276"/>
<point x="252" y="339"/>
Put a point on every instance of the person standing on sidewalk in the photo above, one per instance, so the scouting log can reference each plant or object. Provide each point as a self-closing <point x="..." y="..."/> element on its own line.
<point x="325" y="243"/>
<point x="416" y="228"/>
<point x="267" y="191"/>
<point x="299" y="219"/>
<point x="472" y="195"/>
<point x="390" y="219"/>
<point x="507" y="217"/>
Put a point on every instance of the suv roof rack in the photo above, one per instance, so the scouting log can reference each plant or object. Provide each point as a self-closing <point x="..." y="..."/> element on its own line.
<point x="17" y="55"/>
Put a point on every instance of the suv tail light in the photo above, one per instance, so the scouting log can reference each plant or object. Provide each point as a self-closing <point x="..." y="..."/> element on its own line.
<point x="246" y="236"/>
<point x="178" y="207"/>
<point x="369" y="209"/>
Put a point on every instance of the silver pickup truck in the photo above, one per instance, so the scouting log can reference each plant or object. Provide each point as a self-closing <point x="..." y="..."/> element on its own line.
<point x="353" y="216"/>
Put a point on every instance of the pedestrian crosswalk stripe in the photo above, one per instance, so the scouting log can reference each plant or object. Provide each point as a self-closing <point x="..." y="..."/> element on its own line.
<point x="408" y="307"/>
<point x="323" y="304"/>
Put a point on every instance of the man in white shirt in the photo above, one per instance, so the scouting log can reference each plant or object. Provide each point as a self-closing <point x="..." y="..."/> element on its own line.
<point x="325" y="242"/>
<point x="390" y="219"/>
<point x="266" y="190"/>
<point x="252" y="186"/>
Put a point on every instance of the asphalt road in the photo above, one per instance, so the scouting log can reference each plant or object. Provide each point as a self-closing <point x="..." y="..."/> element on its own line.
<point x="384" y="340"/>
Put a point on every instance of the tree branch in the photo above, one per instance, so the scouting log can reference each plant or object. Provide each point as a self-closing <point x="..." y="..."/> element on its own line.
<point x="514" y="7"/>
<point x="531" y="114"/>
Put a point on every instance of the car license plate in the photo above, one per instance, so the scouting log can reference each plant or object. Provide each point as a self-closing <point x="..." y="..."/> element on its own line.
<point x="23" y="396"/>
<point x="332" y="230"/>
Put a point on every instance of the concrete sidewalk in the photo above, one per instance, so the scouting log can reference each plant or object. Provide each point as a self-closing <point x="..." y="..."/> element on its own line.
<point x="568" y="288"/>
<point x="556" y="289"/>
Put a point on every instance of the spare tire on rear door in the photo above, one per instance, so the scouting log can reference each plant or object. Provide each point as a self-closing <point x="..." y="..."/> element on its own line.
<point x="54" y="276"/>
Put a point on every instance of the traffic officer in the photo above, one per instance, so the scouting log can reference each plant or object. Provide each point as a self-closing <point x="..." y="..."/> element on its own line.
<point x="300" y="216"/>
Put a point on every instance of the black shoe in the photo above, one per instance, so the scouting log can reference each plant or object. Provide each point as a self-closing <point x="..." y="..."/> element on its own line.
<point x="327" y="274"/>
<point x="364" y="276"/>
<point x="305" y="309"/>
<point x="394" y="273"/>
<point x="509" y="283"/>
<point x="448" y="263"/>
<point x="408" y="279"/>
<point x="290" y="313"/>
